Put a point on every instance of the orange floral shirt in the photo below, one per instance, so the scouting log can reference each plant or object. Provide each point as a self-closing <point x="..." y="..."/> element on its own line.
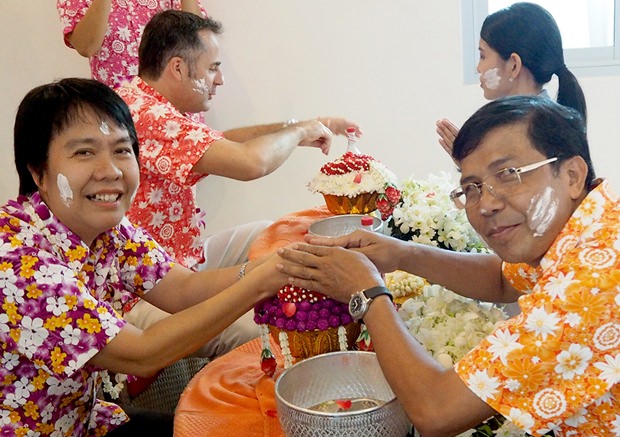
<point x="556" y="366"/>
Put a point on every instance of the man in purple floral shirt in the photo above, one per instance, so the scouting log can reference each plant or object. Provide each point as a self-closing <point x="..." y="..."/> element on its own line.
<point x="69" y="259"/>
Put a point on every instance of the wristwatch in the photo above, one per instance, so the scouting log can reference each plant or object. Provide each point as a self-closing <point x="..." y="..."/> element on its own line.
<point x="360" y="301"/>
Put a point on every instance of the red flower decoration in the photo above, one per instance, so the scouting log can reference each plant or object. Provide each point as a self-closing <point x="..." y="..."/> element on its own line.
<point x="268" y="362"/>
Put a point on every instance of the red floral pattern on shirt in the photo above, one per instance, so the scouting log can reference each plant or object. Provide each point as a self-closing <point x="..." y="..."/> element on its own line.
<point x="556" y="366"/>
<point x="59" y="301"/>
<point x="171" y="143"/>
<point x="117" y="59"/>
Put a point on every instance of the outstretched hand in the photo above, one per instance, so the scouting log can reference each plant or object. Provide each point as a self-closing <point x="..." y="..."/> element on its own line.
<point x="315" y="134"/>
<point x="334" y="271"/>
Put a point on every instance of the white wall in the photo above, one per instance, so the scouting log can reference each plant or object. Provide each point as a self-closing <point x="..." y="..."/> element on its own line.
<point x="393" y="66"/>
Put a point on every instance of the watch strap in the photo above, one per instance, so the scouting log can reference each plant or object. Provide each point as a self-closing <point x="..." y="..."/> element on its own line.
<point x="377" y="291"/>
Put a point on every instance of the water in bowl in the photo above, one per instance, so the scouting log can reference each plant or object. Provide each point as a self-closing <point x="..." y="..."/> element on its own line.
<point x="346" y="405"/>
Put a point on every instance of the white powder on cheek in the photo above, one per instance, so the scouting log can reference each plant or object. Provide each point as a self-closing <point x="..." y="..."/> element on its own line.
<point x="66" y="194"/>
<point x="200" y="86"/>
<point x="491" y="78"/>
<point x="543" y="208"/>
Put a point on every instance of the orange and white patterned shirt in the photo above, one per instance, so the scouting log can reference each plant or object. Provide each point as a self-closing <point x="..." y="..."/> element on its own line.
<point x="556" y="366"/>
<point x="171" y="143"/>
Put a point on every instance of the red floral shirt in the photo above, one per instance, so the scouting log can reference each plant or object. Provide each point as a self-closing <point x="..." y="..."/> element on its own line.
<point x="556" y="366"/>
<point x="117" y="59"/>
<point x="59" y="301"/>
<point x="171" y="143"/>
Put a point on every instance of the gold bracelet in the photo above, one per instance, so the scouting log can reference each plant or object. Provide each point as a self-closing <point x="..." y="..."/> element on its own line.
<point x="241" y="274"/>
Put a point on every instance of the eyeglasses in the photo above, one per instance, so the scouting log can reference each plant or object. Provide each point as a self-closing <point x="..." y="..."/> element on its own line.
<point x="502" y="184"/>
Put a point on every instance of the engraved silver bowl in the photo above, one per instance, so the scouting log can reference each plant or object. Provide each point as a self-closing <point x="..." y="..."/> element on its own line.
<point x="350" y="375"/>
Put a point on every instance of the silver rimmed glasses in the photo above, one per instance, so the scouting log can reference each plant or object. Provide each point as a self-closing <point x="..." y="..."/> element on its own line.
<point x="500" y="184"/>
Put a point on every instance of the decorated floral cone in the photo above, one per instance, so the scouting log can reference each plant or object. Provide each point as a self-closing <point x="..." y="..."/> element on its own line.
<point x="356" y="184"/>
<point x="304" y="323"/>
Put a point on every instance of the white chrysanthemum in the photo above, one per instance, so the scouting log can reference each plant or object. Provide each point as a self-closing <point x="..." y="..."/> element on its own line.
<point x="542" y="323"/>
<point x="573" y="361"/>
<point x="483" y="385"/>
<point x="520" y="422"/>
<point x="502" y="343"/>
<point x="556" y="286"/>
<point x="610" y="369"/>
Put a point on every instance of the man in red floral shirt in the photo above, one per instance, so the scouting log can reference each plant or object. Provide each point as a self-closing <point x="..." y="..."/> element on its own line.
<point x="179" y="72"/>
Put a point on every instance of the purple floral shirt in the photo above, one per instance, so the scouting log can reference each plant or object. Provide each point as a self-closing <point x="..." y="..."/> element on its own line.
<point x="59" y="301"/>
<point x="117" y="59"/>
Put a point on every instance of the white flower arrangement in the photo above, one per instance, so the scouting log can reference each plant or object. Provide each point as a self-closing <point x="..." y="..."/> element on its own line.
<point x="425" y="214"/>
<point x="448" y="326"/>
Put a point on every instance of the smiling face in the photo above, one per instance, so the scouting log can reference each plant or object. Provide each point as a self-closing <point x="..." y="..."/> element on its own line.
<point x="494" y="73"/>
<point x="522" y="226"/>
<point x="90" y="177"/>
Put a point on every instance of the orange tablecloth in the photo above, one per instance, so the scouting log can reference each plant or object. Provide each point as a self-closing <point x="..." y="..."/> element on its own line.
<point x="289" y="229"/>
<point x="231" y="396"/>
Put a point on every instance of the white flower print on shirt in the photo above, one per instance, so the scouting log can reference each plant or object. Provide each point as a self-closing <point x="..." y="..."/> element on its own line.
<point x="483" y="385"/>
<point x="542" y="323"/>
<point x="573" y="361"/>
<point x="610" y="369"/>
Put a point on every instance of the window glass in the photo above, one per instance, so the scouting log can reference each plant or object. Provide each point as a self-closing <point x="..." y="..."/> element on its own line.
<point x="583" y="23"/>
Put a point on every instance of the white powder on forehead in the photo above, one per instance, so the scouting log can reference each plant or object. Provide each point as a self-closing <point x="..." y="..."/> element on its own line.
<point x="543" y="208"/>
<point x="200" y="86"/>
<point x="104" y="128"/>
<point x="66" y="194"/>
<point x="491" y="78"/>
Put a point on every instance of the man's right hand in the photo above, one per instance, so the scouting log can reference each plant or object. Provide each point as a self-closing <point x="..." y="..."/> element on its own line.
<point x="383" y="251"/>
<point x="315" y="134"/>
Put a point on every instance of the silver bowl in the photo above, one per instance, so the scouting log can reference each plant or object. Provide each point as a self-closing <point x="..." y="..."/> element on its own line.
<point x="342" y="225"/>
<point x="305" y="395"/>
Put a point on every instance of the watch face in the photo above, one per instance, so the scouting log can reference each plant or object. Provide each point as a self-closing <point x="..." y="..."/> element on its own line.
<point x="357" y="306"/>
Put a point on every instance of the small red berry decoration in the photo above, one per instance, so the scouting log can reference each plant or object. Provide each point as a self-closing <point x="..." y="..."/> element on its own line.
<point x="268" y="362"/>
<point x="289" y="309"/>
<point x="358" y="178"/>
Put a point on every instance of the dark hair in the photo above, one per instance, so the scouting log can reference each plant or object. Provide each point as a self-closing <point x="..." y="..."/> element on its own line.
<point x="553" y="129"/>
<point x="530" y="31"/>
<point x="172" y="33"/>
<point x="49" y="109"/>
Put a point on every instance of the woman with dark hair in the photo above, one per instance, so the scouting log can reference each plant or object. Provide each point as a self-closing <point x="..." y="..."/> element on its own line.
<point x="520" y="50"/>
<point x="69" y="259"/>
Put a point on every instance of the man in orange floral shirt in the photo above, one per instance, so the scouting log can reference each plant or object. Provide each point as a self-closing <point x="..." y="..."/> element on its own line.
<point x="179" y="72"/>
<point x="528" y="187"/>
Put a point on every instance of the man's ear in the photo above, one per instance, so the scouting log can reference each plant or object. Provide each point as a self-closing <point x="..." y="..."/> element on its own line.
<point x="175" y="68"/>
<point x="36" y="176"/>
<point x="516" y="65"/>
<point x="576" y="171"/>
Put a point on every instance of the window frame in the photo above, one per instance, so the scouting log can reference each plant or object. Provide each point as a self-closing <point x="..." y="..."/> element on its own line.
<point x="587" y="62"/>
